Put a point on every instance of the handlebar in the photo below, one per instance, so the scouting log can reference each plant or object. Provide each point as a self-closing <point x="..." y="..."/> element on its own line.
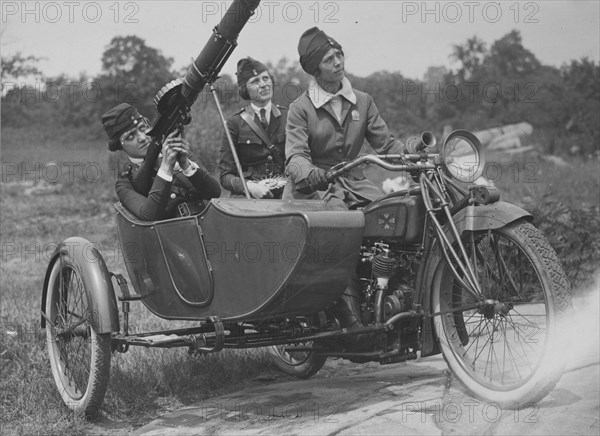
<point x="416" y="162"/>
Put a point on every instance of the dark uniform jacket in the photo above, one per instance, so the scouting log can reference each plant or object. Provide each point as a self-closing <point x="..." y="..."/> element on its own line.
<point x="256" y="159"/>
<point x="153" y="198"/>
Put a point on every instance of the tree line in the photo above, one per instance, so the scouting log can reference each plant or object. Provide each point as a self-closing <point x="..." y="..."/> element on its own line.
<point x="487" y="87"/>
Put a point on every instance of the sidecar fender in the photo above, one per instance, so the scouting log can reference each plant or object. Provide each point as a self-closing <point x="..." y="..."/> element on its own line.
<point x="485" y="217"/>
<point x="96" y="281"/>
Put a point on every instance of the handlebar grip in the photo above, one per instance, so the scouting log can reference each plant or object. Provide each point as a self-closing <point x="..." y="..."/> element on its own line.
<point x="321" y="183"/>
<point x="331" y="175"/>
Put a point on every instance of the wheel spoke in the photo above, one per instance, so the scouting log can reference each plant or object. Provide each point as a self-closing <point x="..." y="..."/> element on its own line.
<point x="69" y="332"/>
<point x="79" y="357"/>
<point x="504" y="332"/>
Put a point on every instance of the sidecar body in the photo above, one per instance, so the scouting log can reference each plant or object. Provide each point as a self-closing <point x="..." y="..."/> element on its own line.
<point x="242" y="259"/>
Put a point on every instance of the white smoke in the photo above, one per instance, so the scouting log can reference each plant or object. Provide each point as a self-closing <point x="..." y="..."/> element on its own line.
<point x="583" y="326"/>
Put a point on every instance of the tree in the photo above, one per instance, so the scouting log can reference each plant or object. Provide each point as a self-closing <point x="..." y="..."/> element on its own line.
<point x="133" y="72"/>
<point x="17" y="66"/>
<point x="470" y="55"/>
<point x="435" y="74"/>
<point x="509" y="59"/>
<point x="581" y="104"/>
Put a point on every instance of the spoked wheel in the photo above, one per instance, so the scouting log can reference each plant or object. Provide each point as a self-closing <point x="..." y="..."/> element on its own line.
<point x="79" y="357"/>
<point x="300" y="364"/>
<point x="505" y="345"/>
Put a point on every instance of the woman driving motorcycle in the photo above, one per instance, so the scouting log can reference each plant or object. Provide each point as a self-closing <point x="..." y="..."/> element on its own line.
<point x="328" y="124"/>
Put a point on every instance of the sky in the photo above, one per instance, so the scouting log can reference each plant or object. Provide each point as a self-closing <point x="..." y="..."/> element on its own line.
<point x="394" y="36"/>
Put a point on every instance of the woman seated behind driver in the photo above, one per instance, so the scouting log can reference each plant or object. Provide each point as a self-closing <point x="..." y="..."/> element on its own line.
<point x="249" y="128"/>
<point x="177" y="180"/>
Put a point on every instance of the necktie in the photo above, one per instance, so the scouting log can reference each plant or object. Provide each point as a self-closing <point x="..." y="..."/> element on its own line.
<point x="336" y="105"/>
<point x="263" y="119"/>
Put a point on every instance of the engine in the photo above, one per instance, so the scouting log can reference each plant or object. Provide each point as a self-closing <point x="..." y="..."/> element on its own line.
<point x="387" y="277"/>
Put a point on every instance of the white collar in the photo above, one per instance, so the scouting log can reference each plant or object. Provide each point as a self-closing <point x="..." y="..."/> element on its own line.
<point x="137" y="161"/>
<point x="320" y="97"/>
<point x="257" y="109"/>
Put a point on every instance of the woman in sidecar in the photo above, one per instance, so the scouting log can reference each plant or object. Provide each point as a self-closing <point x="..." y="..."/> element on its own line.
<point x="257" y="133"/>
<point x="179" y="185"/>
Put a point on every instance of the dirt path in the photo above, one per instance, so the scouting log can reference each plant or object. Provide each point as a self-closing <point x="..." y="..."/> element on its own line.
<point x="417" y="397"/>
<point x="411" y="398"/>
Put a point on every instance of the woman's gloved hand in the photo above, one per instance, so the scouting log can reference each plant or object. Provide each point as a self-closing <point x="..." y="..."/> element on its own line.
<point x="317" y="180"/>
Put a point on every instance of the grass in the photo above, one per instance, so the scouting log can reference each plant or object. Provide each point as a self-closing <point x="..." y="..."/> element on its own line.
<point x="37" y="216"/>
<point x="38" y="211"/>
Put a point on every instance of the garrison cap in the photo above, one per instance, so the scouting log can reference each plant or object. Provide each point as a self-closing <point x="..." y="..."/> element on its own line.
<point x="117" y="121"/>
<point x="312" y="47"/>
<point x="247" y="68"/>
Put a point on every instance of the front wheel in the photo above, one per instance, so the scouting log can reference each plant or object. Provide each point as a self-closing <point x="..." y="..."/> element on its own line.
<point x="505" y="346"/>
<point x="79" y="356"/>
<point x="300" y="364"/>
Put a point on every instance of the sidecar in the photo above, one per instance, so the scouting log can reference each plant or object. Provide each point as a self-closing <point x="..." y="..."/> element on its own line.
<point x="241" y="268"/>
<point x="242" y="259"/>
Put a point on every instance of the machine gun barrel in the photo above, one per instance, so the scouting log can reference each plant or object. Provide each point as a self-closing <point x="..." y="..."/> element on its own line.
<point x="217" y="50"/>
<point x="175" y="100"/>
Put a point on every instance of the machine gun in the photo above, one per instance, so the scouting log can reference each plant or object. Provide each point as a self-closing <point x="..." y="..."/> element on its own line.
<point x="174" y="100"/>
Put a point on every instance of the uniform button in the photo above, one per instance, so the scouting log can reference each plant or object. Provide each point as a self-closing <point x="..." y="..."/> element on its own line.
<point x="269" y="157"/>
<point x="340" y="149"/>
<point x="173" y="195"/>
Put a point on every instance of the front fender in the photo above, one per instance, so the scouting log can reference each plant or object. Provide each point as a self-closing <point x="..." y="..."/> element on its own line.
<point x="471" y="218"/>
<point x="96" y="280"/>
<point x="486" y="217"/>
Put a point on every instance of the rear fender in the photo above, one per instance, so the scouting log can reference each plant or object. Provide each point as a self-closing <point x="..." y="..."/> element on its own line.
<point x="96" y="280"/>
<point x="471" y="218"/>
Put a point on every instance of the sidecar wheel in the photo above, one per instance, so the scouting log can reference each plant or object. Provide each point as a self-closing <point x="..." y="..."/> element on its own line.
<point x="300" y="364"/>
<point x="79" y="356"/>
<point x="509" y="349"/>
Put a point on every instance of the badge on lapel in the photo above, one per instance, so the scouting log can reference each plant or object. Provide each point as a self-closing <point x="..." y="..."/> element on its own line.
<point x="355" y="115"/>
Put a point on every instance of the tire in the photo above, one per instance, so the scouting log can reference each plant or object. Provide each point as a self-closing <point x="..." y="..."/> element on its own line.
<point x="299" y="364"/>
<point x="508" y="351"/>
<point x="79" y="356"/>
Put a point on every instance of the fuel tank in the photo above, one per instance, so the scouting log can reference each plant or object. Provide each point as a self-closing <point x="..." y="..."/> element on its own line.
<point x="398" y="216"/>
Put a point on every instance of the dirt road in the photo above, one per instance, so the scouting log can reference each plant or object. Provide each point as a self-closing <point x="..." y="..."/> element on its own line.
<point x="412" y="398"/>
<point x="418" y="397"/>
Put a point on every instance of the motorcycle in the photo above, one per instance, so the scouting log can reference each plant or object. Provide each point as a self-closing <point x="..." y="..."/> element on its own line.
<point x="442" y="266"/>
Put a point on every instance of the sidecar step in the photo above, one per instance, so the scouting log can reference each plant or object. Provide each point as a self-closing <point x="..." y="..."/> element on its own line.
<point x="163" y="340"/>
<point x="197" y="338"/>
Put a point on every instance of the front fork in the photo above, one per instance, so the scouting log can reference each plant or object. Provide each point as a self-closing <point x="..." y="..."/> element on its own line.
<point x="459" y="263"/>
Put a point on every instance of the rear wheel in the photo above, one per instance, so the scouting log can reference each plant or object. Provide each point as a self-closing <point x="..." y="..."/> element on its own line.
<point x="505" y="346"/>
<point x="300" y="364"/>
<point x="79" y="356"/>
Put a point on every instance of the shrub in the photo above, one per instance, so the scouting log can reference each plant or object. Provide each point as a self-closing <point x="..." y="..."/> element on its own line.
<point x="574" y="234"/>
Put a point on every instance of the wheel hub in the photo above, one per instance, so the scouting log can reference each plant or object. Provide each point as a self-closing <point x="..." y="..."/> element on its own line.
<point x="491" y="308"/>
